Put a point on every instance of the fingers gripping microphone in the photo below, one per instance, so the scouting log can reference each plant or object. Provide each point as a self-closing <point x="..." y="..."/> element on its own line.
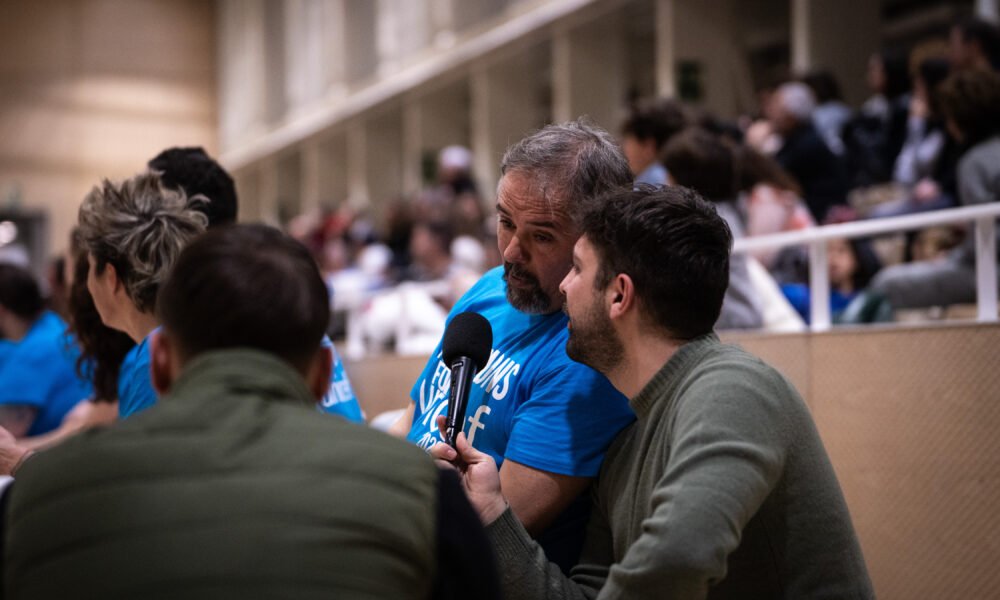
<point x="465" y="349"/>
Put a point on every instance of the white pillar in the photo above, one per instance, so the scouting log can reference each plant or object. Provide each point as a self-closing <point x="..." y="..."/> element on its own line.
<point x="588" y="72"/>
<point x="310" y="186"/>
<point x="268" y="191"/>
<point x="505" y="107"/>
<point x="707" y="35"/>
<point x="665" y="16"/>
<point x="413" y="143"/>
<point x="242" y="79"/>
<point x="383" y="160"/>
<point x="335" y="49"/>
<point x="357" y="155"/>
<point x="838" y="36"/>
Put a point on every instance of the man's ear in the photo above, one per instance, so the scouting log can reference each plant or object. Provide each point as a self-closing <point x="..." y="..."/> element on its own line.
<point x="319" y="371"/>
<point x="621" y="296"/>
<point x="163" y="367"/>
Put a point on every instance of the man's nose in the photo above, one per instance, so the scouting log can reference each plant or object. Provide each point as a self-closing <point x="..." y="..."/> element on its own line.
<point x="514" y="252"/>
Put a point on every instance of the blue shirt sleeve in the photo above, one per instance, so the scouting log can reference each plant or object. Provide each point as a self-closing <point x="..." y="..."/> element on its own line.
<point x="340" y="399"/>
<point x="26" y="379"/>
<point x="569" y="419"/>
<point x="135" y="388"/>
<point x="41" y="372"/>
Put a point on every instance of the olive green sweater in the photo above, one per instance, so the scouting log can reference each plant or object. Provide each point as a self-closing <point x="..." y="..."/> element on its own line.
<point x="231" y="487"/>
<point x="721" y="489"/>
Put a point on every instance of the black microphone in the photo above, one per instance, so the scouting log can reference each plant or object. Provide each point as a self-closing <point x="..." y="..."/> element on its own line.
<point x="465" y="348"/>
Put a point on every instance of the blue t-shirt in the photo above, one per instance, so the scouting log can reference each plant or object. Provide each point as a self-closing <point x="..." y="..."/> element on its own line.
<point x="799" y="297"/>
<point x="5" y="348"/>
<point x="340" y="398"/>
<point x="40" y="371"/>
<point x="135" y="388"/>
<point x="531" y="403"/>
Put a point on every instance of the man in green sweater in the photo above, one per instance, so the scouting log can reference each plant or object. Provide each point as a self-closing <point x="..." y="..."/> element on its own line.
<point x="722" y="487"/>
<point x="234" y="486"/>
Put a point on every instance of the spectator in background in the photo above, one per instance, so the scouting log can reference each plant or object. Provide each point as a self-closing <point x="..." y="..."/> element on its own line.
<point x="920" y="159"/>
<point x="648" y="128"/>
<point x="132" y="232"/>
<point x="874" y="137"/>
<point x="852" y="264"/>
<point x="430" y="250"/>
<point x="102" y="351"/>
<point x="831" y="113"/>
<point x="970" y="102"/>
<point x="39" y="384"/>
<point x="802" y="151"/>
<point x="974" y="44"/>
<point x="701" y="161"/>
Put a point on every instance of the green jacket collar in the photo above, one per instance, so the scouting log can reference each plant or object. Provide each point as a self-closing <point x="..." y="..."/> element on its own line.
<point x="241" y="369"/>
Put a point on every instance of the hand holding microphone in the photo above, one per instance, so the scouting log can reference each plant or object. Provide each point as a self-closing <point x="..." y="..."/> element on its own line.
<point x="465" y="348"/>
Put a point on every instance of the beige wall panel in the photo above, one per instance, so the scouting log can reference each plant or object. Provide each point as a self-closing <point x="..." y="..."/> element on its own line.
<point x="787" y="353"/>
<point x="94" y="88"/>
<point x="383" y="383"/>
<point x="910" y="421"/>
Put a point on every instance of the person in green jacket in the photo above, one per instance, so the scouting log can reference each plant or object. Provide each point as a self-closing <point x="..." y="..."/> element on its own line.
<point x="722" y="487"/>
<point x="232" y="486"/>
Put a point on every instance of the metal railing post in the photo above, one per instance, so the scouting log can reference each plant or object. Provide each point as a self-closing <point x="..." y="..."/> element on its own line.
<point x="986" y="270"/>
<point x="819" y="287"/>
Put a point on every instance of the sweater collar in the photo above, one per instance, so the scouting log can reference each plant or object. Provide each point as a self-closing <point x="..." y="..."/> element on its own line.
<point x="673" y="371"/>
<point x="241" y="369"/>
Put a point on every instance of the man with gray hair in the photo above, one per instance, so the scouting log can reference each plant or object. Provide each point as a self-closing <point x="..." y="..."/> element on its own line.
<point x="546" y="420"/>
<point x="803" y="152"/>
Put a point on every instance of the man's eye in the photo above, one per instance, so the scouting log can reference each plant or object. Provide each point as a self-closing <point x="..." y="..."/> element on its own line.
<point x="543" y="238"/>
<point x="506" y="224"/>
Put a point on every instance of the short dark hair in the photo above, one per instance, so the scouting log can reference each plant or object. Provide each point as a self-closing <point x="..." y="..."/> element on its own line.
<point x="934" y="71"/>
<point x="658" y="119"/>
<point x="247" y="286"/>
<point x="984" y="33"/>
<point x="971" y="99"/>
<point x="577" y="160"/>
<point x="703" y="161"/>
<point x="196" y="173"/>
<point x="674" y="246"/>
<point x="19" y="291"/>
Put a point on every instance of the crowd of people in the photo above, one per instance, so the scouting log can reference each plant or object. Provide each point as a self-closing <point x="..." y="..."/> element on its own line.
<point x="186" y="427"/>
<point x="804" y="159"/>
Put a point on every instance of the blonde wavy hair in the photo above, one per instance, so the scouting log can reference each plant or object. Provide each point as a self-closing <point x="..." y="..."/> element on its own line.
<point x="139" y="227"/>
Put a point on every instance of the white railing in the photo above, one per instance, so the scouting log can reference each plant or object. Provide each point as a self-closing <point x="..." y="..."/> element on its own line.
<point x="984" y="217"/>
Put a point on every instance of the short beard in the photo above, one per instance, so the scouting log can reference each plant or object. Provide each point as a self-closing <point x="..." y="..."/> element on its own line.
<point x="531" y="300"/>
<point x="594" y="342"/>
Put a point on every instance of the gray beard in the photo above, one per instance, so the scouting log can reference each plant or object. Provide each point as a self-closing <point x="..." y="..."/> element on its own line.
<point x="531" y="300"/>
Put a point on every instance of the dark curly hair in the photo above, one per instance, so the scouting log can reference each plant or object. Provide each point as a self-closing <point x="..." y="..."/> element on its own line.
<point x="102" y="348"/>
<point x="971" y="99"/>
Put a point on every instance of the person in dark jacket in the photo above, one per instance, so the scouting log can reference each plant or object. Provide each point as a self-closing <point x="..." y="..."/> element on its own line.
<point x="232" y="485"/>
<point x="803" y="153"/>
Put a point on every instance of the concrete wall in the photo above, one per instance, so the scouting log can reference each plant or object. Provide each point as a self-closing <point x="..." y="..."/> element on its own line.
<point x="909" y="418"/>
<point x="94" y="88"/>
